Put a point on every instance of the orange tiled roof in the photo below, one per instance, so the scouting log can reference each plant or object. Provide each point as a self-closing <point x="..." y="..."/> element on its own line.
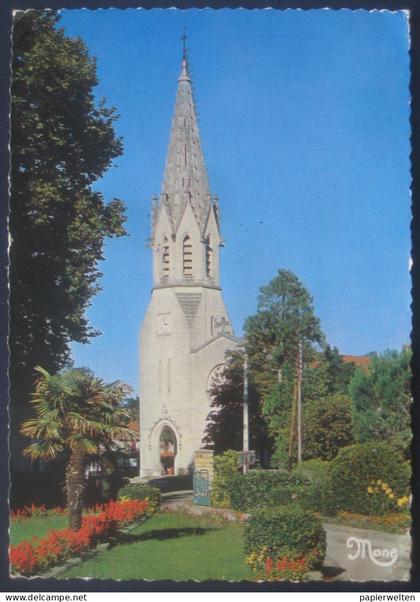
<point x="361" y="361"/>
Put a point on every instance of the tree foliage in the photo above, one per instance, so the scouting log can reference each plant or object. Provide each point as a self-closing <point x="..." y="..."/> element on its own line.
<point x="81" y="416"/>
<point x="381" y="399"/>
<point x="62" y="141"/>
<point x="327" y="375"/>
<point x="327" y="410"/>
<point x="224" y="430"/>
<point x="284" y="320"/>
<point x="277" y="408"/>
<point x="285" y="316"/>
<point x="133" y="406"/>
<point x="328" y="427"/>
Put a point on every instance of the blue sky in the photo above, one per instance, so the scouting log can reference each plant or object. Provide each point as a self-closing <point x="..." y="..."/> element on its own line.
<point x="304" y="120"/>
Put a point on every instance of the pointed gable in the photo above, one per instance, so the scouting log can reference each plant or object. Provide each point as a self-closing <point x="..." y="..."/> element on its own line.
<point x="162" y="225"/>
<point x="212" y="226"/>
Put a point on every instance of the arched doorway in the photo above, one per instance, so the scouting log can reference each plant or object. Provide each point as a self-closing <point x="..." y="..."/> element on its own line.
<point x="167" y="450"/>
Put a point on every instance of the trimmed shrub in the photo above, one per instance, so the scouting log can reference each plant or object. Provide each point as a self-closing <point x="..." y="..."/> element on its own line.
<point x="284" y="543"/>
<point x="225" y="468"/>
<point x="314" y="496"/>
<point x="315" y="470"/>
<point x="368" y="478"/>
<point x="141" y="491"/>
<point x="264" y="489"/>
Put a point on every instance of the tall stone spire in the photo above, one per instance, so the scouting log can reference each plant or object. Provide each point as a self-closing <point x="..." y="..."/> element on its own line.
<point x="185" y="178"/>
<point x="186" y="331"/>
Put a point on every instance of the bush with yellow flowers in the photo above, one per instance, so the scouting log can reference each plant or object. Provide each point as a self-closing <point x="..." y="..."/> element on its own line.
<point x="367" y="478"/>
<point x="386" y="497"/>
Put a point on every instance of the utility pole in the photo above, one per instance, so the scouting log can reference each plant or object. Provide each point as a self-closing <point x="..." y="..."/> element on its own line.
<point x="299" y="402"/>
<point x="245" y="445"/>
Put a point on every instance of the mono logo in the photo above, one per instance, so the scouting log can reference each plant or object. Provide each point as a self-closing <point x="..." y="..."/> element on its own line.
<point x="363" y="548"/>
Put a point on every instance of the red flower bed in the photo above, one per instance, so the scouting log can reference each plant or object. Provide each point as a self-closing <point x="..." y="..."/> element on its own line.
<point x="31" y="511"/>
<point x="288" y="568"/>
<point x="28" y="511"/>
<point x="31" y="557"/>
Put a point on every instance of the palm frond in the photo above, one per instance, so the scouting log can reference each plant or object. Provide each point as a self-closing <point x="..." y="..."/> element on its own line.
<point x="82" y="425"/>
<point x="90" y="446"/>
<point x="45" y="450"/>
<point x="75" y="406"/>
<point x="41" y="428"/>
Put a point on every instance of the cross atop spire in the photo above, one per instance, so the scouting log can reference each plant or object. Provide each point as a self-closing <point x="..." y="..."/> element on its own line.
<point x="184" y="39"/>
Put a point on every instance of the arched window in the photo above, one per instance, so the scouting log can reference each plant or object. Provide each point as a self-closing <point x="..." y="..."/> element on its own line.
<point x="167" y="450"/>
<point x="209" y="257"/>
<point x="187" y="256"/>
<point x="165" y="257"/>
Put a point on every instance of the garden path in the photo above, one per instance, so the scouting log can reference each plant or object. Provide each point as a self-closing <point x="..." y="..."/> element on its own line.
<point x="338" y="562"/>
<point x="362" y="567"/>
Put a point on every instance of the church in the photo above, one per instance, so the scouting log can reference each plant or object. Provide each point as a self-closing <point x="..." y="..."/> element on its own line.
<point x="186" y="331"/>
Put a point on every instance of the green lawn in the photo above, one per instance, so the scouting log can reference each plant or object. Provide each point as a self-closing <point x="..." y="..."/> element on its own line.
<point x="174" y="546"/>
<point x="35" y="526"/>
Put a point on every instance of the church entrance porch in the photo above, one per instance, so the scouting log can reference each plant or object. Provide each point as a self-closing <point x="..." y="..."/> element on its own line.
<point x="167" y="451"/>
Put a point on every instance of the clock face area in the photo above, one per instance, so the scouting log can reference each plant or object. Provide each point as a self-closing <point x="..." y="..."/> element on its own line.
<point x="163" y="324"/>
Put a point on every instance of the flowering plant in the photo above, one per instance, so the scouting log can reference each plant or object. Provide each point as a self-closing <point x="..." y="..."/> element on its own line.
<point x="385" y="493"/>
<point x="34" y="556"/>
<point x="269" y="567"/>
<point x="394" y="522"/>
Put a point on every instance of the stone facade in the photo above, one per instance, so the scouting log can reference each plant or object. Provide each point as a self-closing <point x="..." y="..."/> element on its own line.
<point x="186" y="331"/>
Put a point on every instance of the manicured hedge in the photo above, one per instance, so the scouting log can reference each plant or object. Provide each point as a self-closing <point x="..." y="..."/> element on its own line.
<point x="141" y="491"/>
<point x="284" y="543"/>
<point x="316" y="496"/>
<point x="262" y="489"/>
<point x="225" y="468"/>
<point x="369" y="478"/>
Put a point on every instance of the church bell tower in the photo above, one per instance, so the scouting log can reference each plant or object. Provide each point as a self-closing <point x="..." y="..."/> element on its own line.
<point x="186" y="331"/>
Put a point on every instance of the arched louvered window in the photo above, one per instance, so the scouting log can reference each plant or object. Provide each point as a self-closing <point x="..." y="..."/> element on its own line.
<point x="209" y="257"/>
<point x="187" y="256"/>
<point x="165" y="257"/>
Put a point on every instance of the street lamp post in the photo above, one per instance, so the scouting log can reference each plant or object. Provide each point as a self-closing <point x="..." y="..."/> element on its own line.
<point x="299" y="403"/>
<point x="245" y="445"/>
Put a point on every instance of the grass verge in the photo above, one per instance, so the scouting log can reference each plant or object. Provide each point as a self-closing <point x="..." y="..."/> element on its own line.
<point x="175" y="546"/>
<point x="35" y="526"/>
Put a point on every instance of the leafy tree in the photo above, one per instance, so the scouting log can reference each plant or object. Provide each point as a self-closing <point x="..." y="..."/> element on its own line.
<point x="328" y="426"/>
<point x="327" y="375"/>
<point x="339" y="373"/>
<point x="381" y="399"/>
<point x="224" y="430"/>
<point x="62" y="141"/>
<point x="79" y="414"/>
<point x="278" y="410"/>
<point x="284" y="320"/>
<point x="132" y="405"/>
<point x="327" y="421"/>
<point x="285" y="317"/>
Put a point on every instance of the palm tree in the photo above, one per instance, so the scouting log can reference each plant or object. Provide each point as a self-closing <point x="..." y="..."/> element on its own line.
<point x="78" y="413"/>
